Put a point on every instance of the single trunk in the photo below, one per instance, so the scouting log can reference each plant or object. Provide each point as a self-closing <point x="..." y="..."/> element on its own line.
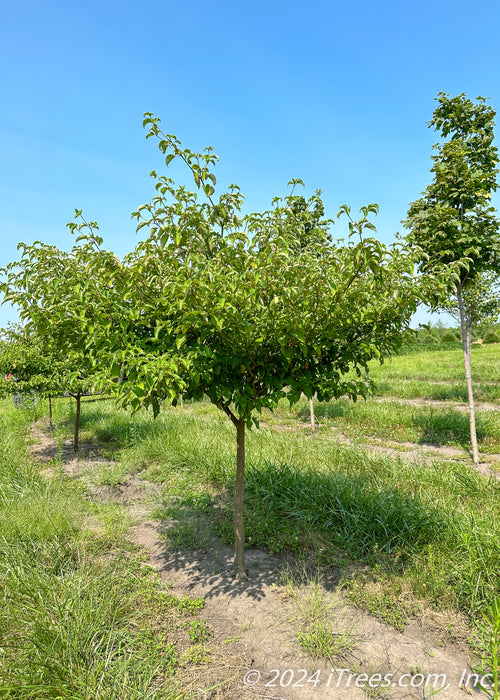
<point x="50" y="413"/>
<point x="76" y="443"/>
<point x="367" y="377"/>
<point x="239" y="532"/>
<point x="466" y="345"/>
<point x="311" y="411"/>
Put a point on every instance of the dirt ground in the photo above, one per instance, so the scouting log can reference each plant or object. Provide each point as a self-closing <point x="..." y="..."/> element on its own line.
<point x="255" y="649"/>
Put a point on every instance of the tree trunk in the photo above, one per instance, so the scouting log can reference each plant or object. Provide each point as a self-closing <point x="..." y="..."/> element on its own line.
<point x="50" y="413"/>
<point x="239" y="532"/>
<point x="367" y="377"/>
<point x="311" y="411"/>
<point x="467" y="345"/>
<point x="76" y="442"/>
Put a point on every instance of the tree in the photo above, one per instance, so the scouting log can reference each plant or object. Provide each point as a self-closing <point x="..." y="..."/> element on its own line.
<point x="25" y="373"/>
<point x="453" y="227"/>
<point x="244" y="310"/>
<point x="47" y="355"/>
<point x="311" y="228"/>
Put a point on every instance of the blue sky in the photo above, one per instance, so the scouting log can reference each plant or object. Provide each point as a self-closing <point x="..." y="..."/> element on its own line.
<point x="334" y="93"/>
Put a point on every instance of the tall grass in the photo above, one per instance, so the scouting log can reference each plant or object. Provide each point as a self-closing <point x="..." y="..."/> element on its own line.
<point x="73" y="624"/>
<point x="420" y="424"/>
<point x="451" y="390"/>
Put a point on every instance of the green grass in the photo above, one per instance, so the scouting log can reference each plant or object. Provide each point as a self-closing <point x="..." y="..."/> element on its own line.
<point x="320" y="621"/>
<point x="439" y="375"/>
<point x="81" y="616"/>
<point x="441" y="366"/>
<point x="403" y="422"/>
<point x="438" y="391"/>
<point x="401" y="534"/>
<point x="434" y="526"/>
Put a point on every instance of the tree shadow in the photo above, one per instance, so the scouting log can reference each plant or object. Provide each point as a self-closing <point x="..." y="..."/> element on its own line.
<point x="332" y="409"/>
<point x="119" y="429"/>
<point x="294" y="513"/>
<point x="450" y="427"/>
<point x="191" y="546"/>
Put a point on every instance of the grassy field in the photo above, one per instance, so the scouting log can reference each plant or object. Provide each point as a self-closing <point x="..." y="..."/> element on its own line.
<point x="440" y="375"/>
<point x="83" y="618"/>
<point x="428" y="527"/>
<point x="396" y="421"/>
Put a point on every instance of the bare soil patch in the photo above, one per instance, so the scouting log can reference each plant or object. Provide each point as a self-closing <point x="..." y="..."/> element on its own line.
<point x="438" y="403"/>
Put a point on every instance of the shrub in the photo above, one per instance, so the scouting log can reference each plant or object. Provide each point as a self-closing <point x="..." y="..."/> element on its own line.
<point x="449" y="336"/>
<point x="491" y="337"/>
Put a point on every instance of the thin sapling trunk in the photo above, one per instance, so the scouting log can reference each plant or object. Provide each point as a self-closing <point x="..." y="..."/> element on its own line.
<point x="239" y="532"/>
<point x="311" y="411"/>
<point x="76" y="441"/>
<point x="467" y="346"/>
<point x="50" y="413"/>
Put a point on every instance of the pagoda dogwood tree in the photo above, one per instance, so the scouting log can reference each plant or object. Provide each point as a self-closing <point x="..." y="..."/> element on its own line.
<point x="453" y="227"/>
<point x="32" y="366"/>
<point x="24" y="370"/>
<point x="243" y="310"/>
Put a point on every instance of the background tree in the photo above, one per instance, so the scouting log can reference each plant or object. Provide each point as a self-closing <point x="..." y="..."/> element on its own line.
<point x="310" y="227"/>
<point x="25" y="372"/>
<point x="452" y="226"/>
<point x="48" y="354"/>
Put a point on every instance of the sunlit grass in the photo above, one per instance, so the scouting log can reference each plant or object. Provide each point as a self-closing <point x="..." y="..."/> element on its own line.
<point x="445" y="365"/>
<point x="392" y="420"/>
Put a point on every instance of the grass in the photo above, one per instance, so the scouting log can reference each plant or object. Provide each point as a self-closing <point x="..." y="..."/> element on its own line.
<point x="402" y="535"/>
<point x="489" y="644"/>
<point x="383" y="598"/>
<point x="433" y="526"/>
<point x="320" y="622"/>
<point x="446" y="365"/>
<point x="436" y="391"/>
<point x="81" y="616"/>
<point x="439" y="375"/>
<point x="391" y="420"/>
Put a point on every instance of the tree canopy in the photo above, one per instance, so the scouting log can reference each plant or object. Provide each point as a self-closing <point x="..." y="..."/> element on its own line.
<point x="453" y="223"/>
<point x="245" y="310"/>
<point x="48" y="354"/>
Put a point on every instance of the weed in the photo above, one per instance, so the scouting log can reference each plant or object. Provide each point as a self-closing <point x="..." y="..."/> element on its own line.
<point x="197" y="654"/>
<point x="186" y="604"/>
<point x="198" y="631"/>
<point x="489" y="639"/>
<point x="381" y="602"/>
<point x="317" y="616"/>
